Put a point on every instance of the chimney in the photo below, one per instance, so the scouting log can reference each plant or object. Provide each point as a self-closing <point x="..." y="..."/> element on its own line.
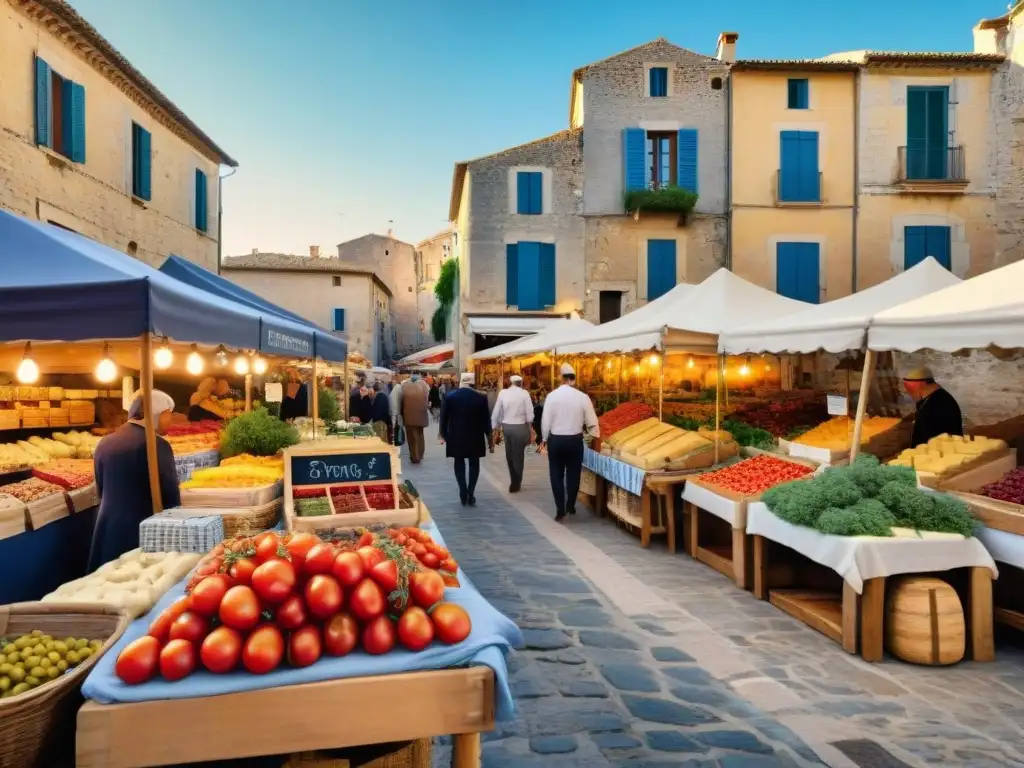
<point x="255" y="251"/>
<point x="726" y="50"/>
<point x="314" y="251"/>
<point x="990" y="36"/>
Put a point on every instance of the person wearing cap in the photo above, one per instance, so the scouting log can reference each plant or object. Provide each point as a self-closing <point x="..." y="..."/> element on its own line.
<point x="465" y="429"/>
<point x="122" y="479"/>
<point x="568" y="413"/>
<point x="937" y="411"/>
<point x="410" y="406"/>
<point x="513" y="412"/>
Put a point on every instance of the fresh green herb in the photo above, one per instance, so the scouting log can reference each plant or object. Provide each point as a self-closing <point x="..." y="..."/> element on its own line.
<point x="257" y="433"/>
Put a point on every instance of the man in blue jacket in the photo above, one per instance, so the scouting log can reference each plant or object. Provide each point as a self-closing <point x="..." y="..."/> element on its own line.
<point x="465" y="429"/>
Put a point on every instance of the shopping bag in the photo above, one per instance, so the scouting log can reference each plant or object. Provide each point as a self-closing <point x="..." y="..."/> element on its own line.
<point x="399" y="435"/>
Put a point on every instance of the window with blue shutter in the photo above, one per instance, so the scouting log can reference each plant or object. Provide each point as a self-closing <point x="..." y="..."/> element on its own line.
<point x="74" y="117"/>
<point x="512" y="274"/>
<point x="798" y="93"/>
<point x="799" y="179"/>
<point x="659" y="81"/>
<point x="687" y="153"/>
<point x="634" y="142"/>
<point x="338" y="318"/>
<point x="529" y="194"/>
<point x="141" y="163"/>
<point x="661" y="267"/>
<point x="927" y="131"/>
<point x="921" y="242"/>
<point x="59" y="113"/>
<point x="528" y="280"/>
<point x="201" y="201"/>
<point x="547" y="274"/>
<point x="798" y="271"/>
<point x="44" y="94"/>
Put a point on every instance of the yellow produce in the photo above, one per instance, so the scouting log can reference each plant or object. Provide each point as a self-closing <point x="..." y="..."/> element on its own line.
<point x="235" y="476"/>
<point x="23" y="674"/>
<point x="948" y="455"/>
<point x="256" y="461"/>
<point x="835" y="434"/>
<point x="634" y="443"/>
<point x="631" y="431"/>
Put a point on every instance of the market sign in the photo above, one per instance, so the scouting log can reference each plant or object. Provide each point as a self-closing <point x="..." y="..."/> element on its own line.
<point x="286" y="344"/>
<point x="348" y="467"/>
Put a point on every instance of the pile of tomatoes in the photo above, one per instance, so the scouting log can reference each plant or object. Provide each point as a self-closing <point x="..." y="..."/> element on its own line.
<point x="756" y="475"/>
<point x="258" y="603"/>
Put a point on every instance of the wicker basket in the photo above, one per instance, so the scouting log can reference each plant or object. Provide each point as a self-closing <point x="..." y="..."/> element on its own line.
<point x="42" y="720"/>
<point x="416" y="754"/>
<point x="588" y="482"/>
<point x="243" y="521"/>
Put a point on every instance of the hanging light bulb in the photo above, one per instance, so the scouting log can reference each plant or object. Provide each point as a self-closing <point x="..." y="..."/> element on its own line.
<point x="241" y="365"/>
<point x="608" y="364"/>
<point x="745" y="368"/>
<point x="28" y="369"/>
<point x="259" y="365"/>
<point x="194" y="363"/>
<point x="221" y="356"/>
<point x="106" y="370"/>
<point x="689" y="363"/>
<point x="636" y="369"/>
<point x="654" y="360"/>
<point x="163" y="357"/>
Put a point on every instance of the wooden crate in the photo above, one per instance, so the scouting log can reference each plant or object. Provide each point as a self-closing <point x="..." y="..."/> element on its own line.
<point x="999" y="515"/>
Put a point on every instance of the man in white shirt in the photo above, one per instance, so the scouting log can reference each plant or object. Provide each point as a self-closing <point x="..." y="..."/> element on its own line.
<point x="567" y="414"/>
<point x="513" y="412"/>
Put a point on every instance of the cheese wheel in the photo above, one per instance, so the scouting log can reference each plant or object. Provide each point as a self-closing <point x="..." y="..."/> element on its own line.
<point x="637" y="441"/>
<point x="654" y="444"/>
<point x="634" y="429"/>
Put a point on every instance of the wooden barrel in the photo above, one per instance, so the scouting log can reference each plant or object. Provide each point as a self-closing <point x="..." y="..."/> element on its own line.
<point x="924" y="622"/>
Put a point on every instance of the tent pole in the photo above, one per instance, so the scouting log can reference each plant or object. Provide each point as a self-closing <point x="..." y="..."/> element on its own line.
<point x="146" y="374"/>
<point x="501" y="374"/>
<point x="248" y="392"/>
<point x="316" y="398"/>
<point x="718" y="402"/>
<point x="862" y="401"/>
<point x="344" y="374"/>
<point x="661" y="388"/>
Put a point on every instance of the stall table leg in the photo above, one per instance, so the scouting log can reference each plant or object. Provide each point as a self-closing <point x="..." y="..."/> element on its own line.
<point x="981" y="629"/>
<point x="851" y="610"/>
<point x="692" y="520"/>
<point x="601" y="500"/>
<point x="740" y="561"/>
<point x="760" y="547"/>
<point x="466" y="750"/>
<point x="645" y="517"/>
<point x="872" y="615"/>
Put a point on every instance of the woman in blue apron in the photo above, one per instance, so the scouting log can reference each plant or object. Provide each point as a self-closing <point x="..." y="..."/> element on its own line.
<point x="122" y="479"/>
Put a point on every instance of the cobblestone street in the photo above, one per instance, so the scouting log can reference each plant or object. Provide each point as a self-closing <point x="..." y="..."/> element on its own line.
<point x="641" y="658"/>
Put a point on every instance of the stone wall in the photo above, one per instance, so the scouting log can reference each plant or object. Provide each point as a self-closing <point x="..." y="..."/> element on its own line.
<point x="431" y="253"/>
<point x="1008" y="112"/>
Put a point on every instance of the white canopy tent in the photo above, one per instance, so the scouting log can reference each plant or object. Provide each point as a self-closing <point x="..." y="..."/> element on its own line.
<point x="691" y="321"/>
<point x="446" y="349"/>
<point x="985" y="311"/>
<point x="840" y="325"/>
<point x="556" y="333"/>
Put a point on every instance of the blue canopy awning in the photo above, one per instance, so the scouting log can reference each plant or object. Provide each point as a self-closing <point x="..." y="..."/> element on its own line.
<point x="326" y="345"/>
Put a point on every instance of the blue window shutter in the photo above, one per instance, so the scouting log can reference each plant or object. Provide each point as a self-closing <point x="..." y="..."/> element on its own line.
<point x="927" y="131"/>
<point x="339" y="319"/>
<point x="44" y="93"/>
<point x="798" y="96"/>
<point x="547" y="274"/>
<point x="511" y="275"/>
<point x="522" y="192"/>
<point x="536" y="192"/>
<point x="142" y="151"/>
<point x="528" y="256"/>
<point x="922" y="242"/>
<point x="686" y="176"/>
<point x="789" y="166"/>
<point x="810" y="180"/>
<point x="77" y="135"/>
<point x="661" y="267"/>
<point x="798" y="271"/>
<point x="914" y="243"/>
<point x="659" y="81"/>
<point x="201" y="201"/>
<point x="634" y="153"/>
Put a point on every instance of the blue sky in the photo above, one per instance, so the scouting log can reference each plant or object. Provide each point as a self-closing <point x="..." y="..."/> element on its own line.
<point x="345" y="114"/>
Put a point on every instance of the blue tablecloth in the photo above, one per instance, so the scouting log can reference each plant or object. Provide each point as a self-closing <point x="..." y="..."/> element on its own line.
<point x="487" y="645"/>
<point x="34" y="563"/>
<point x="614" y="471"/>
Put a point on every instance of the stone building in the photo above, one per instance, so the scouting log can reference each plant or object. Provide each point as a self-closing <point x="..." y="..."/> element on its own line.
<point x="430" y="255"/>
<point x="394" y="262"/>
<point x="335" y="295"/>
<point x="89" y="144"/>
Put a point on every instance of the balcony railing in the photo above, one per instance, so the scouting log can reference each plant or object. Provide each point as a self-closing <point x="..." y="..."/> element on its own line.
<point x="927" y="164"/>
<point x="798" y="191"/>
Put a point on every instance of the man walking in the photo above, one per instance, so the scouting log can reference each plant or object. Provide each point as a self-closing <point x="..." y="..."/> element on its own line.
<point x="465" y="429"/>
<point x="411" y="407"/>
<point x="567" y="414"/>
<point x="513" y="412"/>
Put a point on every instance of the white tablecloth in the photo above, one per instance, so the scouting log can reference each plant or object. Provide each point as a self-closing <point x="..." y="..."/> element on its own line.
<point x="1004" y="547"/>
<point x="859" y="558"/>
<point x="719" y="506"/>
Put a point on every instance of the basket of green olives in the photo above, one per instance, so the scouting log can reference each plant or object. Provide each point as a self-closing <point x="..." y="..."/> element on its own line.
<point x="46" y="650"/>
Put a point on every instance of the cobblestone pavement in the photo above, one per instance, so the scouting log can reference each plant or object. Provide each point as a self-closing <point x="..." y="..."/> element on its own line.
<point x="640" y="658"/>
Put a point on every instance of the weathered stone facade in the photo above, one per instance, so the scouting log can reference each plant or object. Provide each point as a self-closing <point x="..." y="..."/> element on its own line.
<point x="430" y="255"/>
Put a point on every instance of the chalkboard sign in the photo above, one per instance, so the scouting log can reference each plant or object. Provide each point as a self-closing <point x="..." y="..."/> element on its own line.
<point x="327" y="469"/>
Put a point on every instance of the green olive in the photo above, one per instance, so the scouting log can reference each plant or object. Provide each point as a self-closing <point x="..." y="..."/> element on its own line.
<point x="32" y="661"/>
<point x="53" y="656"/>
<point x="69" y="642"/>
<point x="33" y="681"/>
<point x="39" y="649"/>
<point x="95" y="644"/>
<point x="5" y="668"/>
<point x="72" y="657"/>
<point x="17" y="674"/>
<point x="5" y="684"/>
<point x="37" y="672"/>
<point x="14" y="658"/>
<point x="26" y="653"/>
<point x="9" y="648"/>
<point x="22" y="642"/>
<point x="60" y="647"/>
<point x="85" y="653"/>
<point x="53" y="673"/>
<point x="45" y="663"/>
<point x="62" y="665"/>
<point x="20" y="688"/>
<point x="37" y="633"/>
<point x="80" y="644"/>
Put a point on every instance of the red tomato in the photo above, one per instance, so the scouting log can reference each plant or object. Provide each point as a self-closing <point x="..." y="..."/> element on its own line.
<point x="400" y="539"/>
<point x="221" y="650"/>
<point x="267" y="545"/>
<point x="241" y="571"/>
<point x="304" y="646"/>
<point x="137" y="662"/>
<point x="240" y="608"/>
<point x="451" y="623"/>
<point x="208" y="593"/>
<point x="341" y="635"/>
<point x="441" y="552"/>
<point x="370" y="556"/>
<point x="418" y="549"/>
<point x="379" y="636"/>
<point x="430" y="560"/>
<point x="385" y="574"/>
<point x="415" y="631"/>
<point x="449" y="565"/>
<point x="367" y="601"/>
<point x="299" y="545"/>
<point x="162" y="624"/>
<point x="291" y="614"/>
<point x="177" y="660"/>
<point x="319" y="559"/>
<point x="366" y="539"/>
<point x="426" y="588"/>
<point x="348" y="569"/>
<point x="189" y="626"/>
<point x="273" y="580"/>
<point x="263" y="649"/>
<point x="324" y="595"/>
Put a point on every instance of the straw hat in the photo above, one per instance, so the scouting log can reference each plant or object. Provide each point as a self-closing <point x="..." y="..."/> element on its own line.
<point x="924" y="373"/>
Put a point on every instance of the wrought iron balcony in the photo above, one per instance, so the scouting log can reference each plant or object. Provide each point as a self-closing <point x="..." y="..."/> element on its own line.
<point x="924" y="165"/>
<point x="799" y="191"/>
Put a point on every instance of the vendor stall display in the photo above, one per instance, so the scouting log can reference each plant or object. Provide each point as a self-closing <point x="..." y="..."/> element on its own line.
<point x="830" y="441"/>
<point x="946" y="456"/>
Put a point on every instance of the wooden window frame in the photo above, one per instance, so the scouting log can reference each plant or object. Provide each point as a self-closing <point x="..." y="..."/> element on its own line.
<point x="673" y="152"/>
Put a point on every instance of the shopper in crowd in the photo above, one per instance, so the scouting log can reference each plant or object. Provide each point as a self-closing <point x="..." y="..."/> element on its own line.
<point x="380" y="412"/>
<point x="122" y="479"/>
<point x="491" y="390"/>
<point x="295" y="398"/>
<point x="513" y="412"/>
<point x="538" y="414"/>
<point x="568" y="413"/>
<point x="434" y="399"/>
<point x="465" y="429"/>
<point x="360" y="405"/>
<point x="412" y="414"/>
<point x="937" y="411"/>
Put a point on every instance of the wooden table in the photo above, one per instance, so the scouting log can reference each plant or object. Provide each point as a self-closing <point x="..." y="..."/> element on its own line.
<point x="317" y="716"/>
<point x="657" y="505"/>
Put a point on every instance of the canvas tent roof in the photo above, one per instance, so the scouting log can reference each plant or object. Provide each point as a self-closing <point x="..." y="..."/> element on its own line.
<point x="692" y="320"/>
<point x="439" y="351"/>
<point x="839" y="325"/>
<point x="559" y="332"/>
<point x="987" y="310"/>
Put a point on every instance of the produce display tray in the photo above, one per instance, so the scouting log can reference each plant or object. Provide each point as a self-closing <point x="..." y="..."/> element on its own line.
<point x="996" y="514"/>
<point x="47" y="510"/>
<point x="84" y="498"/>
<point x="231" y="497"/>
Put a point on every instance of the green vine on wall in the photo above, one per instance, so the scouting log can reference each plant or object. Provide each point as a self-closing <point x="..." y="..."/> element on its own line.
<point x="446" y="290"/>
